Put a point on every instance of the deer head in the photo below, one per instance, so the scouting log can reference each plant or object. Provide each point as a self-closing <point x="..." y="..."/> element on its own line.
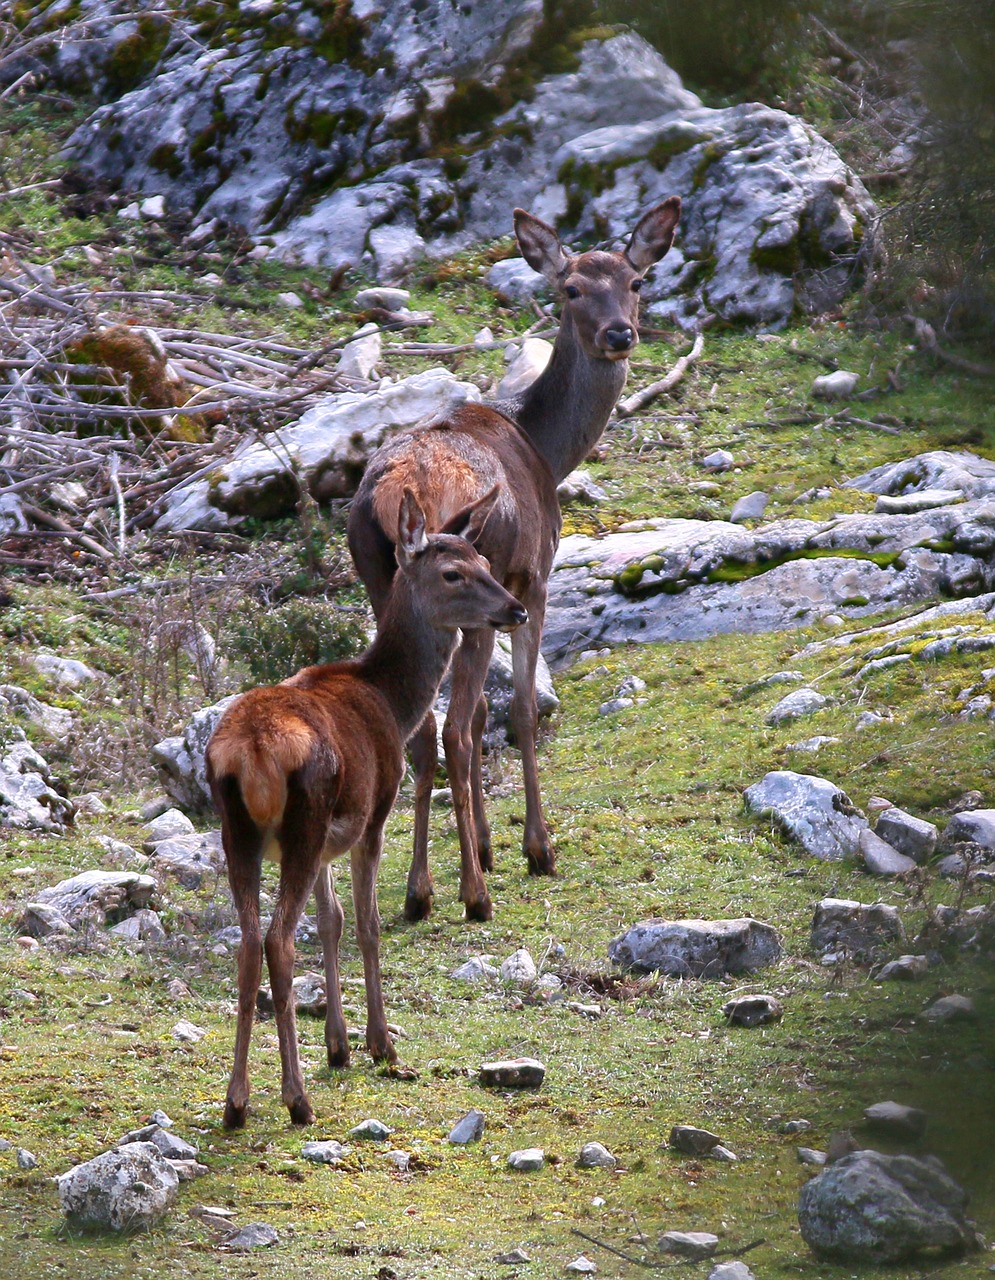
<point x="599" y="290"/>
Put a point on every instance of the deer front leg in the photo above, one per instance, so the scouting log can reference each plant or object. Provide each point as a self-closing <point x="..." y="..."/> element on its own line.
<point x="365" y="860"/>
<point x="536" y="844"/>
<point x="329" y="920"/>
<point x="468" y="674"/>
<point x="296" y="882"/>
<point x="482" y="827"/>
<point x="244" y="876"/>
<point x="425" y="759"/>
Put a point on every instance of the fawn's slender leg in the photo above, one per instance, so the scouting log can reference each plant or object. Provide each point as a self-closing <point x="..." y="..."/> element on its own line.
<point x="480" y="823"/>
<point x="329" y="920"/>
<point x="243" y="855"/>
<point x="365" y="859"/>
<point x="536" y="844"/>
<point x="469" y="672"/>
<point x="295" y="889"/>
<point x="424" y="747"/>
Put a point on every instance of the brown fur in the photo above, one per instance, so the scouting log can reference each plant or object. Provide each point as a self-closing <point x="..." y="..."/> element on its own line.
<point x="260" y="743"/>
<point x="446" y="483"/>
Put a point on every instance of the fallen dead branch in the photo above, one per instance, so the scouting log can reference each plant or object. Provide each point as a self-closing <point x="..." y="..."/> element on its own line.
<point x="640" y="399"/>
<point x="925" y="336"/>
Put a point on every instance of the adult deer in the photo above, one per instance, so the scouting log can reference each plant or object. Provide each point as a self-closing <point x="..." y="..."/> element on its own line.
<point x="527" y="445"/>
<point x="305" y="770"/>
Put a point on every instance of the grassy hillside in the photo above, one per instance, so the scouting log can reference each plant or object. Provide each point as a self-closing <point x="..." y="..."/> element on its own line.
<point x="647" y="812"/>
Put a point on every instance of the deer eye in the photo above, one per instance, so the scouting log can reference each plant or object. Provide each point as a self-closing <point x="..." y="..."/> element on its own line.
<point x="636" y="285"/>
<point x="572" y="291"/>
<point x="452" y="575"/>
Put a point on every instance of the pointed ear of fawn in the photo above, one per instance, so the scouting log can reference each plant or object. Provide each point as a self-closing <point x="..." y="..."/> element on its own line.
<point x="654" y="234"/>
<point x="540" y="245"/>
<point x="469" y="522"/>
<point x="412" y="537"/>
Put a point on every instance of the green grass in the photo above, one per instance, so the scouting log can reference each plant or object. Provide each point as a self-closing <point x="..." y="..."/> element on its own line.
<point x="647" y="811"/>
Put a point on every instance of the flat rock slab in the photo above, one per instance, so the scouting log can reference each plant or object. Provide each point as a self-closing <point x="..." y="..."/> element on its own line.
<point x="256" y="1235"/>
<point x="92" y="897"/>
<point x="469" y="1129"/>
<point x="896" y="1120"/>
<point x="881" y="858"/>
<point x="128" y="1189"/>
<point x="695" y="1245"/>
<point x="811" y="810"/>
<point x="513" y="1073"/>
<point x="696" y="948"/>
<point x="869" y="1208"/>
<point x="308" y="992"/>
<point x="753" y="1010"/>
<point x="693" y="1141"/>
<point x="860" y="929"/>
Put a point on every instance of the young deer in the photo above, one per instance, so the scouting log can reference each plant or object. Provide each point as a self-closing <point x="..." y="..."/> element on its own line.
<point x="305" y="770"/>
<point x="526" y="445"/>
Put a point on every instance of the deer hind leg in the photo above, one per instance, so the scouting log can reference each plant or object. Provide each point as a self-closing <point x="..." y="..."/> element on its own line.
<point x="365" y="861"/>
<point x="536" y="844"/>
<point x="425" y="758"/>
<point x="468" y="675"/>
<point x="298" y="871"/>
<point x="329" y="920"/>
<point x="481" y="826"/>
<point x="243" y="855"/>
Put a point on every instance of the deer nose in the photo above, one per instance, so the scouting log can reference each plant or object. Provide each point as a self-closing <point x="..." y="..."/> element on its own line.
<point x="620" y="337"/>
<point x="514" y="616"/>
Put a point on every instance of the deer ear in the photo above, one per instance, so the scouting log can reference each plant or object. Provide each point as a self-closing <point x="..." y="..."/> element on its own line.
<point x="654" y="234"/>
<point x="469" y="522"/>
<point x="540" y="245"/>
<point x="410" y="528"/>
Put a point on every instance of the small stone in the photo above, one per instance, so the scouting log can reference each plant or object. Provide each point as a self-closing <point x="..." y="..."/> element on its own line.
<point x="153" y="207"/>
<point x="580" y="486"/>
<point x="581" y="1265"/>
<point x="519" y="967"/>
<point x="161" y="1119"/>
<point x="167" y="825"/>
<point x="382" y="298"/>
<point x="750" y="507"/>
<point x="835" y="386"/>
<point x="753" y="1011"/>
<point x="530" y="1160"/>
<point x="371" y="1131"/>
<point x="911" y="836"/>
<point x="796" y="1126"/>
<point x="26" y="1159"/>
<point x="513" y="1073"/>
<point x="401" y="1160"/>
<point x="28" y="944"/>
<point x="809" y="1155"/>
<point x="257" y="1235"/>
<point x="858" y="928"/>
<point x="722" y="1154"/>
<point x="177" y="989"/>
<point x="90" y="804"/>
<point x="904" y="969"/>
<point x="290" y="299"/>
<point x="584" y="1010"/>
<point x="718" y="460"/>
<point x="188" y="1170"/>
<point x="798" y="703"/>
<point x="880" y="857"/>
<point x="172" y="1146"/>
<point x="734" y="1270"/>
<point x="707" y="488"/>
<point x="187" y="1032"/>
<point x="328" y="1152"/>
<point x="692" y="1141"/>
<point x="514" y="1258"/>
<point x="469" y="1129"/>
<point x="594" y="1156"/>
<point x="952" y="1008"/>
<point x="896" y="1120"/>
<point x="614" y="705"/>
<point x="476" y="969"/>
<point x="813" y="744"/>
<point x="696" y="1245"/>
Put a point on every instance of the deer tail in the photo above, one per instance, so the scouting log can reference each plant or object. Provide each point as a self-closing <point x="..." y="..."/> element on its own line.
<point x="261" y="763"/>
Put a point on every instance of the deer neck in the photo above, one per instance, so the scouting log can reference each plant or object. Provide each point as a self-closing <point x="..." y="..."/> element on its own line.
<point x="408" y="658"/>
<point x="565" y="411"/>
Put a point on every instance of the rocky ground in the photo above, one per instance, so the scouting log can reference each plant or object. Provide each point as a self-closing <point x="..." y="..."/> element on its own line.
<point x="754" y="1008"/>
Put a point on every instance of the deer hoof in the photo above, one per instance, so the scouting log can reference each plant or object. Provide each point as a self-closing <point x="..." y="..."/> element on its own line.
<point x="383" y="1052"/>
<point x="235" y="1115"/>
<point x="338" y="1058"/>
<point x="542" y="862"/>
<point x="300" y="1110"/>
<point x="485" y="856"/>
<point x="480" y="909"/>
<point x="417" y="907"/>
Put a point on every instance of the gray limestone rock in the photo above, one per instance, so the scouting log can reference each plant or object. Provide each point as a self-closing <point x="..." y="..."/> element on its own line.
<point x="65" y="673"/>
<point x="869" y="1208"/>
<point x="519" y="967"/>
<point x="308" y="992"/>
<point x="694" y="1245"/>
<point x="143" y="926"/>
<point x="811" y="1156"/>
<point x="327" y="1152"/>
<point x="734" y="1270"/>
<point x="913" y="837"/>
<point x="54" y="722"/>
<point x="696" y="948"/>
<point x="976" y="826"/>
<point x="469" y="1129"/>
<point x="753" y="1010"/>
<point x="165" y="826"/>
<point x="529" y="1160"/>
<point x="190" y="859"/>
<point x="255" y="1235"/>
<point x="750" y="507"/>
<point x="859" y="929"/>
<point x="794" y="705"/>
<point x="513" y="1073"/>
<point x="693" y="1141"/>
<point x="895" y="1120"/>
<point x="179" y="761"/>
<point x="835" y="386"/>
<point x="811" y="810"/>
<point x="528" y="361"/>
<point x="967" y="473"/>
<point x="953" y="1008"/>
<point x="903" y="969"/>
<point x="370" y="1131"/>
<point x="28" y="801"/>
<point x="881" y="858"/>
<point x="128" y="1189"/>
<point x="92" y="897"/>
<point x="595" y="1156"/>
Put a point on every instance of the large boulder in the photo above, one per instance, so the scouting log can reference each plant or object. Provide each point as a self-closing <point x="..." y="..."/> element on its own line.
<point x="870" y="1208"/>
<point x="179" y="761"/>
<point x="129" y="1189"/>
<point x="373" y="134"/>
<point x="812" y="811"/>
<point x="90" y="898"/>
<point x="28" y="801"/>
<point x="696" y="948"/>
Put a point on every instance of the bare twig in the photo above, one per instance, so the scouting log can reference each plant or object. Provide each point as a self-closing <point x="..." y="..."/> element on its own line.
<point x="640" y="399"/>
